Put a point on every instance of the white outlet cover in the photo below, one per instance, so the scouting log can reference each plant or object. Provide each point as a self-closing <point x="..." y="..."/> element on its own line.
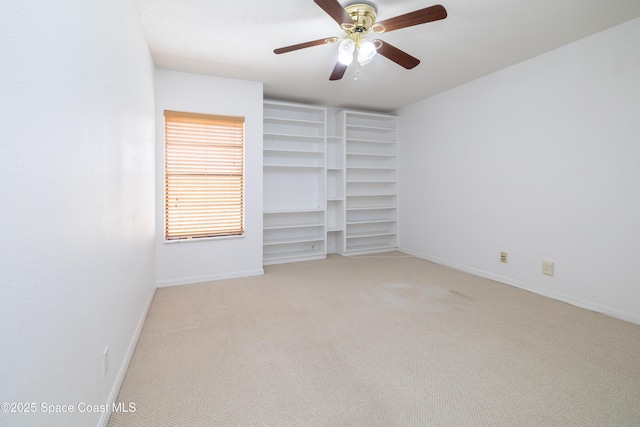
<point x="547" y="267"/>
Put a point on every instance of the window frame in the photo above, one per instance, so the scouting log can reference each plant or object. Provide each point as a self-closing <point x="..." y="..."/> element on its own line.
<point x="221" y="142"/>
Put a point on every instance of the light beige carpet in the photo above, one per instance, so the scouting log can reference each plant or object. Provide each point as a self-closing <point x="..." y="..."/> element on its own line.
<point x="377" y="342"/>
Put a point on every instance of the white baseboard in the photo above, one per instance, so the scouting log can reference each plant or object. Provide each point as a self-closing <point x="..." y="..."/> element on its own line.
<point x="612" y="312"/>
<point x="201" y="279"/>
<point x="104" y="419"/>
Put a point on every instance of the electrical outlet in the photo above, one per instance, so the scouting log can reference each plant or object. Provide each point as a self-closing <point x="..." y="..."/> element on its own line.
<point x="503" y="257"/>
<point x="105" y="362"/>
<point x="547" y="267"/>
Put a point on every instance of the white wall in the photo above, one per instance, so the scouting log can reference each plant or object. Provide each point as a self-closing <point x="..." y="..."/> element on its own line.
<point x="541" y="160"/>
<point x="77" y="218"/>
<point x="198" y="261"/>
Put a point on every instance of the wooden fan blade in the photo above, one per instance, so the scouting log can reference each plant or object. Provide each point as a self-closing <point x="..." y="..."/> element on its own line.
<point x="335" y="10"/>
<point x="338" y="71"/>
<point x="398" y="56"/>
<point x="422" y="16"/>
<point x="305" y="45"/>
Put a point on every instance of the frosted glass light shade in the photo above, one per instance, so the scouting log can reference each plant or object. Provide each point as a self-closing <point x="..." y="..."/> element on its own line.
<point x="345" y="58"/>
<point x="345" y="51"/>
<point x="346" y="46"/>
<point x="366" y="52"/>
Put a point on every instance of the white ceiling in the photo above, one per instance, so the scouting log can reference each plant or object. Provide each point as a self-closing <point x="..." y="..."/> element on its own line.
<point x="236" y="39"/>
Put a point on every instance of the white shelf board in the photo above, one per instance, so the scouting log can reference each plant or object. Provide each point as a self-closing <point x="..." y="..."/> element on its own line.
<point x="377" y="168"/>
<point x="370" y="221"/>
<point x="372" y="195"/>
<point x="292" y="211"/>
<point x="359" y="153"/>
<point x="293" y="136"/>
<point x="369" y="234"/>
<point x="273" y="119"/>
<point x="368" y="140"/>
<point x="283" y="150"/>
<point x="351" y="126"/>
<point x="377" y="181"/>
<point x="292" y="166"/>
<point x="293" y="240"/>
<point x="370" y="208"/>
<point x="285" y="227"/>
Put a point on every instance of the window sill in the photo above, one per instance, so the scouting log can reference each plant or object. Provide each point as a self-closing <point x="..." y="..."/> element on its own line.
<point x="204" y="239"/>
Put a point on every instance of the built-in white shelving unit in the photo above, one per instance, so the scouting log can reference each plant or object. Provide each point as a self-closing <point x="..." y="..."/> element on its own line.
<point x="326" y="194"/>
<point x="335" y="194"/>
<point x="370" y="204"/>
<point x="294" y="145"/>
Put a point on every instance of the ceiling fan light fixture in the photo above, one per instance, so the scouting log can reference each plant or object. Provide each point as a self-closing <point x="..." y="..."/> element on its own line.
<point x="358" y="18"/>
<point x="346" y="46"/>
<point x="345" y="51"/>
<point x="345" y="58"/>
<point x="366" y="52"/>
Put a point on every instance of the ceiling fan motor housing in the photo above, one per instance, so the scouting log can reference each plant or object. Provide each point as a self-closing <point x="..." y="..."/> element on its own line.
<point x="363" y="16"/>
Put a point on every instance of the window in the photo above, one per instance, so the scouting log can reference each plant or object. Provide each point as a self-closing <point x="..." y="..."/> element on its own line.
<point x="203" y="176"/>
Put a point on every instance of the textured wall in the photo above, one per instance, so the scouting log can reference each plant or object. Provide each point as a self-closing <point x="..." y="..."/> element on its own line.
<point x="77" y="222"/>
<point x="198" y="261"/>
<point x="539" y="160"/>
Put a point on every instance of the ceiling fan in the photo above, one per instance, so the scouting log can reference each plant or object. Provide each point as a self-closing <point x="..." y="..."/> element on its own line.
<point x="357" y="19"/>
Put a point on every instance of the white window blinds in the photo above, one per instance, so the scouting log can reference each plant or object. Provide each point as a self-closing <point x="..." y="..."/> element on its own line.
<point x="204" y="175"/>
